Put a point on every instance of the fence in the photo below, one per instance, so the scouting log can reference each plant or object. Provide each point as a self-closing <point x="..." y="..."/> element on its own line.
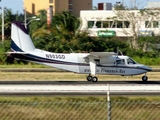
<point x="78" y="110"/>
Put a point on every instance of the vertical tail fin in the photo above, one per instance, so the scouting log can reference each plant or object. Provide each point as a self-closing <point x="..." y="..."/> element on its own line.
<point x="20" y="39"/>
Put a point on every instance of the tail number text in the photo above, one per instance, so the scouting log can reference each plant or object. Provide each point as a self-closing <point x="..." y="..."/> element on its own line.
<point x="55" y="56"/>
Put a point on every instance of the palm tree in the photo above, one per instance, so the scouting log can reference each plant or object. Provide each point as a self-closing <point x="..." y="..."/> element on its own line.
<point x="8" y="18"/>
<point x="62" y="30"/>
<point x="66" y="24"/>
<point x="39" y="28"/>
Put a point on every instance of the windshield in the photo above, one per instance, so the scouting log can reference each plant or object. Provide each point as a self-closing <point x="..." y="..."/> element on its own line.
<point x="130" y="61"/>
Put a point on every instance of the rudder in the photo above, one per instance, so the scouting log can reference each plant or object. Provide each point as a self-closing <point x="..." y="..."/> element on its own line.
<point x="20" y="39"/>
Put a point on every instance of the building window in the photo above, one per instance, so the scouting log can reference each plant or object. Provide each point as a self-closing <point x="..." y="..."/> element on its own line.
<point x="50" y="1"/>
<point x="70" y="2"/>
<point x="155" y="24"/>
<point x="126" y="24"/>
<point x="119" y="24"/>
<point x="99" y="24"/>
<point x="90" y="24"/>
<point x="148" y="24"/>
<point x="108" y="24"/>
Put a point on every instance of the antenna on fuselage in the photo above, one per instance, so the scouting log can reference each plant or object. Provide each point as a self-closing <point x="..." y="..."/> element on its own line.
<point x="121" y="52"/>
<point x="71" y="50"/>
<point x="118" y="50"/>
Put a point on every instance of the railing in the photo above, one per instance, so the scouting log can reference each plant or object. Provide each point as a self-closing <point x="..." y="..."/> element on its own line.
<point x="48" y="109"/>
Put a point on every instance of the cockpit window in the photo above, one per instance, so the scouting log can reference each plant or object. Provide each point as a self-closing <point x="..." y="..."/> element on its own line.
<point x="130" y="61"/>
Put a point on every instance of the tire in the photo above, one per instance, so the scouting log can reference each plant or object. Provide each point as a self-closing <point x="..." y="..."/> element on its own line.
<point x="94" y="79"/>
<point x="89" y="78"/>
<point x="144" y="78"/>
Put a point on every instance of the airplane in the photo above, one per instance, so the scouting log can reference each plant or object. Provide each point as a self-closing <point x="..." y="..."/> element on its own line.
<point x="22" y="48"/>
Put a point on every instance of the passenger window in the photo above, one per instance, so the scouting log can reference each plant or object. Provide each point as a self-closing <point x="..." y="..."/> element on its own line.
<point x="120" y="61"/>
<point x="123" y="61"/>
<point x="97" y="61"/>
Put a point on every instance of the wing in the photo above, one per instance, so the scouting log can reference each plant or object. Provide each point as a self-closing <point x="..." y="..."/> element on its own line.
<point x="96" y="55"/>
<point x="100" y="54"/>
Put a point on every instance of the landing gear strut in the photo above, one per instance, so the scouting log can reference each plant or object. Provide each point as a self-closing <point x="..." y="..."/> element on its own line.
<point x="93" y="79"/>
<point x="145" y="78"/>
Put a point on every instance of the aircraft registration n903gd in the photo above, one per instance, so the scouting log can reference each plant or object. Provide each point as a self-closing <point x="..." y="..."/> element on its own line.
<point x="85" y="63"/>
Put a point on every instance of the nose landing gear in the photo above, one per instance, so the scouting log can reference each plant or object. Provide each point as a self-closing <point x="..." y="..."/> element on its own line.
<point x="144" y="78"/>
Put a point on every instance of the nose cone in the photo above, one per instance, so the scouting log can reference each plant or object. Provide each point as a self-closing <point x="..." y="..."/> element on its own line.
<point x="144" y="67"/>
<point x="148" y="68"/>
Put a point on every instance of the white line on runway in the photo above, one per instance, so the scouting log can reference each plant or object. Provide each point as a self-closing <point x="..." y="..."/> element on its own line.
<point x="78" y="88"/>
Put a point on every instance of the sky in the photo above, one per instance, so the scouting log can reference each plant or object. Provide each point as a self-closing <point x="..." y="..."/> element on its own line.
<point x="17" y="5"/>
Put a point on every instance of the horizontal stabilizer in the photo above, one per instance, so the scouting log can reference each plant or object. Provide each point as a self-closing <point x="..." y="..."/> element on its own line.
<point x="16" y="53"/>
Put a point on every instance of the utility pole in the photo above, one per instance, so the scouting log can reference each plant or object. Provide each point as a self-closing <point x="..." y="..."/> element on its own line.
<point x="25" y="18"/>
<point x="2" y="24"/>
<point x="25" y="15"/>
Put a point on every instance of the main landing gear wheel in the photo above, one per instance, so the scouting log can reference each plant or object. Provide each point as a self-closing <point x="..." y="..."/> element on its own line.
<point x="93" y="79"/>
<point x="89" y="78"/>
<point x="144" y="78"/>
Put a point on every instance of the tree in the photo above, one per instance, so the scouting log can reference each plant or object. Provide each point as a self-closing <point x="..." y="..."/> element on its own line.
<point x="135" y="20"/>
<point x="119" y="6"/>
<point x="57" y="38"/>
<point x="37" y="29"/>
<point x="9" y="17"/>
<point x="66" y="24"/>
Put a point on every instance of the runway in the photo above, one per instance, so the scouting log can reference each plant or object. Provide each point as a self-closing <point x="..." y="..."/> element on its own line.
<point x="79" y="88"/>
<point x="63" y="82"/>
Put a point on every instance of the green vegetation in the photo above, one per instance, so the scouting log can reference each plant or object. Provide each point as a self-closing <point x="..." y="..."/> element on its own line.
<point x="78" y="98"/>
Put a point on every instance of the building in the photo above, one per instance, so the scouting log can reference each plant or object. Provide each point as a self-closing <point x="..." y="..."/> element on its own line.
<point x="104" y="6"/>
<point x="153" y="5"/>
<point x="57" y="6"/>
<point x="106" y="23"/>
